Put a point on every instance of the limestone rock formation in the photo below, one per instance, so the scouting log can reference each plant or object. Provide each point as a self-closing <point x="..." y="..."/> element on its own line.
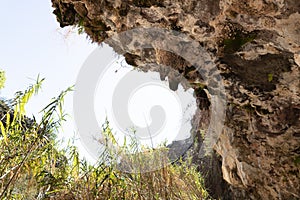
<point x="256" y="46"/>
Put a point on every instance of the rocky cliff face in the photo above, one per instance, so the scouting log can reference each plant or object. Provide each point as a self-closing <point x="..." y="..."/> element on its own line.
<point x="256" y="46"/>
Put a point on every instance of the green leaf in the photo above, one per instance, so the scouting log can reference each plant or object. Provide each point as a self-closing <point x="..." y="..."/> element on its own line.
<point x="270" y="77"/>
<point x="7" y="121"/>
<point x="2" y="79"/>
<point x="3" y="132"/>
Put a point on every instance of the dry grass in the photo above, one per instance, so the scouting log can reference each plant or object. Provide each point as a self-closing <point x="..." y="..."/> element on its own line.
<point x="32" y="167"/>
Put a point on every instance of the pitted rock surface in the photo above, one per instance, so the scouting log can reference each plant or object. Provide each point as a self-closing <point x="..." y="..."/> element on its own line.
<point x="256" y="46"/>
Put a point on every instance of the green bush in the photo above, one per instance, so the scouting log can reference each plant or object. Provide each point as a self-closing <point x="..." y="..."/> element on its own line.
<point x="33" y="167"/>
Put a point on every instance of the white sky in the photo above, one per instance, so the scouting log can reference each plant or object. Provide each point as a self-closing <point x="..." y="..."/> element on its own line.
<point x="32" y="43"/>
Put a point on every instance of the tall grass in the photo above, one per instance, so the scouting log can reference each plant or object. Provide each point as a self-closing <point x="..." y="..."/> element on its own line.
<point x="33" y="167"/>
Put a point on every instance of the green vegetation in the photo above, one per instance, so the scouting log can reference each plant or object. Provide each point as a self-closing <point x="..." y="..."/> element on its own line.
<point x="270" y="77"/>
<point x="32" y="166"/>
<point x="80" y="26"/>
<point x="297" y="160"/>
<point x="235" y="42"/>
<point x="2" y="79"/>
